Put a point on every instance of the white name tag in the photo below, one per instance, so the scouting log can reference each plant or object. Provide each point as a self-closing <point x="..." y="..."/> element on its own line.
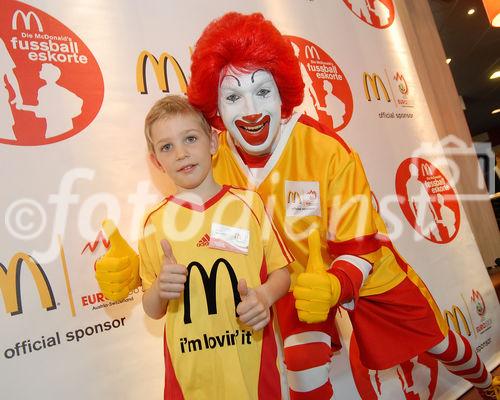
<point x="229" y="238"/>
<point x="302" y="198"/>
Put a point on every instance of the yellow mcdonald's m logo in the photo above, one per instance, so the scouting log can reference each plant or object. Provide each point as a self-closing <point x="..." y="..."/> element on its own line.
<point x="375" y="81"/>
<point x="294" y="197"/>
<point x="210" y="287"/>
<point x="26" y="18"/>
<point x="10" y="284"/>
<point x="453" y="315"/>
<point x="160" y="69"/>
<point x="311" y="52"/>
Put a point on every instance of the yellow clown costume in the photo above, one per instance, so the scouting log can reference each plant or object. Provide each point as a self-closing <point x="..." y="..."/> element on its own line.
<point x="314" y="180"/>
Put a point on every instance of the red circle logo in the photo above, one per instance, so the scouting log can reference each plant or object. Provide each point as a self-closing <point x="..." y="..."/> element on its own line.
<point x="427" y="200"/>
<point x="414" y="379"/>
<point x="377" y="13"/>
<point x="327" y="95"/>
<point x="52" y="85"/>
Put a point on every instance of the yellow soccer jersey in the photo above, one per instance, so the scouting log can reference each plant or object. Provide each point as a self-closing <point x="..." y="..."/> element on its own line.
<point x="313" y="179"/>
<point x="208" y="353"/>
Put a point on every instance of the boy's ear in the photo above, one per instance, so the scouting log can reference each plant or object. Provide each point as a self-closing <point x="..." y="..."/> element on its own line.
<point x="214" y="141"/>
<point x="154" y="160"/>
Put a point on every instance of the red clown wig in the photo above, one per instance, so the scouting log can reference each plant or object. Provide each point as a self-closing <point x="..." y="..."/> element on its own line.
<point x="245" y="42"/>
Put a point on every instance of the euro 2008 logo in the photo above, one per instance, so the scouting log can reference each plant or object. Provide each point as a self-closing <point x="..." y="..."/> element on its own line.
<point x="52" y="86"/>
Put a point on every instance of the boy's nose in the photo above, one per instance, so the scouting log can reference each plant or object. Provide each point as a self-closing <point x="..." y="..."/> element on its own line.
<point x="180" y="153"/>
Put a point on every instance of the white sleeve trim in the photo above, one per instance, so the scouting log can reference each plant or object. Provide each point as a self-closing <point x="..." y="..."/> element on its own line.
<point x="362" y="265"/>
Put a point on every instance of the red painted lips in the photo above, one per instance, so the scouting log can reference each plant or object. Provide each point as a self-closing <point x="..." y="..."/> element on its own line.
<point x="254" y="133"/>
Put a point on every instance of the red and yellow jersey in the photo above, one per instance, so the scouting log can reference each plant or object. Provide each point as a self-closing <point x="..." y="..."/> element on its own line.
<point x="313" y="179"/>
<point x="208" y="353"/>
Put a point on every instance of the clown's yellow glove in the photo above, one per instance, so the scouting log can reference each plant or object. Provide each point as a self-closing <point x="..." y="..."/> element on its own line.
<point x="117" y="272"/>
<point x="316" y="291"/>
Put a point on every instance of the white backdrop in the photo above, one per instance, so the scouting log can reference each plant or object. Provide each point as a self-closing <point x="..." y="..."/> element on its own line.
<point x="72" y="152"/>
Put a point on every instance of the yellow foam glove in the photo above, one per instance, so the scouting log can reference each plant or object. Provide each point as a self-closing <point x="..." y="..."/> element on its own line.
<point x="315" y="291"/>
<point x="117" y="272"/>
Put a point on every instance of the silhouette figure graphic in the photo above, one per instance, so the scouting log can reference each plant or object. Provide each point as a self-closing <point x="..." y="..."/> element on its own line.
<point x="310" y="102"/>
<point x="7" y="77"/>
<point x="334" y="107"/>
<point x="56" y="104"/>
<point x="421" y="377"/>
<point x="388" y="384"/>
<point x="381" y="11"/>
<point x="448" y="217"/>
<point x="360" y="8"/>
<point x="421" y="205"/>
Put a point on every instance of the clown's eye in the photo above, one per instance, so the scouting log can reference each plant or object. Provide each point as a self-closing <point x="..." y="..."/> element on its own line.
<point x="263" y="92"/>
<point x="232" y="98"/>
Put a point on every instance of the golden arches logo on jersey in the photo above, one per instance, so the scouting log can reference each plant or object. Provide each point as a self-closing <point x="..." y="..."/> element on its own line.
<point x="302" y="198"/>
<point x="306" y="199"/>
<point x="209" y="286"/>
<point x="10" y="283"/>
<point x="294" y="197"/>
<point x="159" y="66"/>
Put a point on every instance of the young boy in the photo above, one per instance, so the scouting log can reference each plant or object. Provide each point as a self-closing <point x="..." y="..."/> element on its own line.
<point x="212" y="262"/>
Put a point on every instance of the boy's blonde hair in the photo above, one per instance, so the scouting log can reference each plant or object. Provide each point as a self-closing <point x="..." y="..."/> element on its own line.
<point x="171" y="106"/>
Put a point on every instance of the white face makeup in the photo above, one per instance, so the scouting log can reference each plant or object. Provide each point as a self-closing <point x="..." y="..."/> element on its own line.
<point x="250" y="107"/>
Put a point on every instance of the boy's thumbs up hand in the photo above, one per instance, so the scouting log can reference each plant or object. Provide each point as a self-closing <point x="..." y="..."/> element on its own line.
<point x="117" y="272"/>
<point x="172" y="276"/>
<point x="253" y="309"/>
<point x="316" y="291"/>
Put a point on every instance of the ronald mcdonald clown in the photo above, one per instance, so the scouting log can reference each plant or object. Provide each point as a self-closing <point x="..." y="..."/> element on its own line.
<point x="246" y="80"/>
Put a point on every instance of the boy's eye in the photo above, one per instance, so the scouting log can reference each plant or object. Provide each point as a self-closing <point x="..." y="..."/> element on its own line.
<point x="263" y="92"/>
<point x="191" y="139"/>
<point x="232" y="98"/>
<point x="166" y="147"/>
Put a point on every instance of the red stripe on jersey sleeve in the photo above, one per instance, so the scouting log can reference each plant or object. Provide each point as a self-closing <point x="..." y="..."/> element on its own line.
<point x="357" y="246"/>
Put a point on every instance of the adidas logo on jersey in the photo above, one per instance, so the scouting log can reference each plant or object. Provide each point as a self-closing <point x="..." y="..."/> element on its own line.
<point x="204" y="241"/>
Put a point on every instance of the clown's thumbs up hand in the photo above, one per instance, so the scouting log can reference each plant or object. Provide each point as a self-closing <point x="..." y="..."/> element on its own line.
<point x="316" y="291"/>
<point x="117" y="272"/>
<point x="253" y="309"/>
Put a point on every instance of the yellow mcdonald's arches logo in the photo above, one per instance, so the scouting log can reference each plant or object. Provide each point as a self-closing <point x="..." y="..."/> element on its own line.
<point x="375" y="83"/>
<point x="160" y="69"/>
<point x="311" y="52"/>
<point x="26" y="18"/>
<point x="210" y="287"/>
<point x="294" y="197"/>
<point x="453" y="315"/>
<point x="10" y="284"/>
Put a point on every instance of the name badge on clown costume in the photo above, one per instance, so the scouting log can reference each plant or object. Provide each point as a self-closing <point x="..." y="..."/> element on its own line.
<point x="302" y="198"/>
